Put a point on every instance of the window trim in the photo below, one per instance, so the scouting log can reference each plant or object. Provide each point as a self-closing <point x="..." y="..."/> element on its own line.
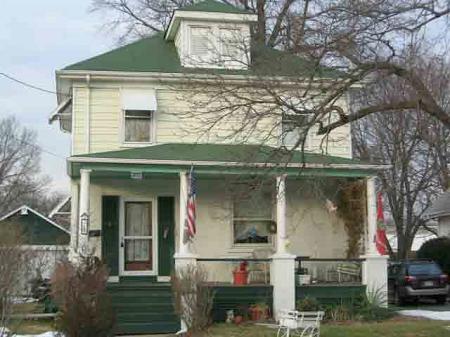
<point x="152" y="130"/>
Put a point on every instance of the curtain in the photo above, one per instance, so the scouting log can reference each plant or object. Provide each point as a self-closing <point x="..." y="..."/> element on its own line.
<point x="138" y="222"/>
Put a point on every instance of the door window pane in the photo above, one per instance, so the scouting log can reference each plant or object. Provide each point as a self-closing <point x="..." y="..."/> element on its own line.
<point x="138" y="254"/>
<point x="138" y="219"/>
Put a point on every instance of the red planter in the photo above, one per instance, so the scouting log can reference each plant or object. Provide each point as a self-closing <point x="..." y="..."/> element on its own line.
<point x="240" y="277"/>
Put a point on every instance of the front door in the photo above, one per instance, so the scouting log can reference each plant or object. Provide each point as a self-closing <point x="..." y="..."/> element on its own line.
<point x="137" y="244"/>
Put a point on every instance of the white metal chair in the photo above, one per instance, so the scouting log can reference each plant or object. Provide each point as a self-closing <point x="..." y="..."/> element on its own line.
<point x="299" y="323"/>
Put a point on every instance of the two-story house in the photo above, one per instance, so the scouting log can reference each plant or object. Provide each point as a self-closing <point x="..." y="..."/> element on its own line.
<point x="134" y="117"/>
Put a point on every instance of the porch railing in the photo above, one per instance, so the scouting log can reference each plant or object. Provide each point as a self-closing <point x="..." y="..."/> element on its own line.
<point x="226" y="271"/>
<point x="316" y="271"/>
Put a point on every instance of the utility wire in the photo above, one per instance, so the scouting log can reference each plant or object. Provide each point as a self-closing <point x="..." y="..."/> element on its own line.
<point x="37" y="146"/>
<point x="32" y="86"/>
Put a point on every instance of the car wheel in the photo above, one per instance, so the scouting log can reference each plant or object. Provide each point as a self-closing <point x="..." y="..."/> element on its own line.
<point x="441" y="299"/>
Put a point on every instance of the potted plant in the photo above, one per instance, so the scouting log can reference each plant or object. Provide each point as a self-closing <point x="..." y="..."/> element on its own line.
<point x="241" y="314"/>
<point x="259" y="311"/>
<point x="303" y="277"/>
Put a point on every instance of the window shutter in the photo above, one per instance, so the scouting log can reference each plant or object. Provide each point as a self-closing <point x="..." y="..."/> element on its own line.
<point x="200" y="45"/>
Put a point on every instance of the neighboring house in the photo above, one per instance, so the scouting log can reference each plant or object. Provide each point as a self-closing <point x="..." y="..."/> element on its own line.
<point x="440" y="211"/>
<point x="61" y="213"/>
<point x="48" y="241"/>
<point x="127" y="112"/>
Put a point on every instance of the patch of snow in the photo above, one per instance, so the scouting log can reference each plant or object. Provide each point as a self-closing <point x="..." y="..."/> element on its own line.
<point x="45" y="334"/>
<point x="4" y="332"/>
<point x="435" y="315"/>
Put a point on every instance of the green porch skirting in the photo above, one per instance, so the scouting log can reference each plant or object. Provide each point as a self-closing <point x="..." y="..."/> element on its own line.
<point x="331" y="294"/>
<point x="238" y="298"/>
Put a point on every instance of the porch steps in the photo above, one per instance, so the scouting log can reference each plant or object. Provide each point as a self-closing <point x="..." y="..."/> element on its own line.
<point x="143" y="307"/>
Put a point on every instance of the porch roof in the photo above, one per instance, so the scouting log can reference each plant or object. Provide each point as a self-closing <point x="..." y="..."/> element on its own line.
<point x="220" y="158"/>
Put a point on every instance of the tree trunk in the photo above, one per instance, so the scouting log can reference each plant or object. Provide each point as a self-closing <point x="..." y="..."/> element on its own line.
<point x="261" y="25"/>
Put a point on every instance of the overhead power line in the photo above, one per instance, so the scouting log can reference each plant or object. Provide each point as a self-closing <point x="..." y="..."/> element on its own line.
<point x="29" y="85"/>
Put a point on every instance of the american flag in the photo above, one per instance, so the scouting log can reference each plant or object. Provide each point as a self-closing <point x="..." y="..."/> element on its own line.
<point x="190" y="229"/>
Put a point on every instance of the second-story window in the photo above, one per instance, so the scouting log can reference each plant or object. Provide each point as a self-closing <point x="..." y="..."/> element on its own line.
<point x="294" y="130"/>
<point x="139" y="107"/>
<point x="138" y="126"/>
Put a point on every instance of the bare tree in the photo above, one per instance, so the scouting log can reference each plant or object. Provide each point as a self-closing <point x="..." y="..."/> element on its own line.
<point x="363" y="39"/>
<point x="403" y="140"/>
<point x="14" y="272"/>
<point x="20" y="178"/>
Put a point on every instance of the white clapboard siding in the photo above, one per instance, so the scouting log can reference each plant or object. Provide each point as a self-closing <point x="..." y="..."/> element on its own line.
<point x="174" y="124"/>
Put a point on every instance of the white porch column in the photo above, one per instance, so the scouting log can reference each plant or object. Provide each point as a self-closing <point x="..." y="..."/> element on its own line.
<point x="83" y="238"/>
<point x="374" y="270"/>
<point x="282" y="268"/>
<point x="371" y="197"/>
<point x="74" y="220"/>
<point x="183" y="257"/>
<point x="281" y="215"/>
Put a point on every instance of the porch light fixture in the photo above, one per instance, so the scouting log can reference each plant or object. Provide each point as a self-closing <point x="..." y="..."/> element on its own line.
<point x="84" y="223"/>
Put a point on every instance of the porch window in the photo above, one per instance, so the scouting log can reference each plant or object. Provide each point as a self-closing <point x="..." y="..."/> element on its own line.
<point x="252" y="218"/>
<point x="138" y="126"/>
<point x="295" y="128"/>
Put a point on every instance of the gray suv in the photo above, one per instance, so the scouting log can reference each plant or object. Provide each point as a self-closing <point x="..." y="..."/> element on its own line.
<point x="414" y="279"/>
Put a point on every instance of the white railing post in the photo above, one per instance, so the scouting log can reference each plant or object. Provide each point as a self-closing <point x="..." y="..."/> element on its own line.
<point x="282" y="268"/>
<point x="374" y="271"/>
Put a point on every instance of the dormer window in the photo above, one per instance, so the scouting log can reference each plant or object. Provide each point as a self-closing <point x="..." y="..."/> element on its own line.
<point x="231" y="45"/>
<point x="212" y="34"/>
<point x="200" y="45"/>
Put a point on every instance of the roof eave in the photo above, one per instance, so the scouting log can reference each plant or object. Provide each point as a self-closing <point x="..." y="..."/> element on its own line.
<point x="255" y="80"/>
<point x="178" y="15"/>
<point x="226" y="163"/>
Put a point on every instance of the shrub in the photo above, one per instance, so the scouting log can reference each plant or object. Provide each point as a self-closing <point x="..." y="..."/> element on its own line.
<point x="308" y="304"/>
<point x="80" y="294"/>
<point x="437" y="250"/>
<point x="14" y="270"/>
<point x="193" y="299"/>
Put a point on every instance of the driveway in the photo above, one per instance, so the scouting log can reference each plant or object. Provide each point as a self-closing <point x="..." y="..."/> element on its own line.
<point x="426" y="309"/>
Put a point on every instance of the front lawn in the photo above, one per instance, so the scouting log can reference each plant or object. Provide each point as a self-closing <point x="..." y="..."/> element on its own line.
<point x="392" y="328"/>
<point x="32" y="326"/>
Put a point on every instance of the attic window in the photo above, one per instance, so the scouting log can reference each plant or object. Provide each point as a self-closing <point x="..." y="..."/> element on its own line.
<point x="200" y="45"/>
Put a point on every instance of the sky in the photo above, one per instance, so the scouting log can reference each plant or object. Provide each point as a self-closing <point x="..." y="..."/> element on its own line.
<point x="37" y="38"/>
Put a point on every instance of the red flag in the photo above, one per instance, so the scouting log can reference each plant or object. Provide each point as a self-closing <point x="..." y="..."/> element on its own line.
<point x="380" y="238"/>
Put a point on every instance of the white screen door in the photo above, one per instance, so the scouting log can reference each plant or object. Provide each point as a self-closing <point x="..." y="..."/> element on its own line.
<point x="137" y="240"/>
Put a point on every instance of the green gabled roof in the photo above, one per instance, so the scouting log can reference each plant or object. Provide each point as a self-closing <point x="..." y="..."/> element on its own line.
<point x="151" y="54"/>
<point x="241" y="153"/>
<point x="155" y="54"/>
<point x="213" y="6"/>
